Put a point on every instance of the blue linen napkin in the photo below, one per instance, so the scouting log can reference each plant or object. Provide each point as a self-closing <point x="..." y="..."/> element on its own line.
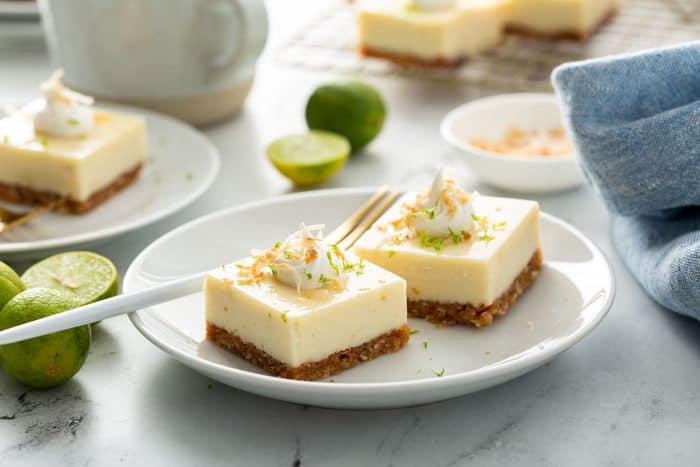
<point x="635" y="122"/>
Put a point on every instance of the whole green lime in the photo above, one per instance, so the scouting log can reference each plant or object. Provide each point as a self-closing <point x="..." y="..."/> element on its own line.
<point x="10" y="284"/>
<point x="353" y="109"/>
<point x="46" y="361"/>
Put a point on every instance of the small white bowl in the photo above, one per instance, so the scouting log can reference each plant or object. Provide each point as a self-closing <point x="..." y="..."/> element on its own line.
<point x="491" y="117"/>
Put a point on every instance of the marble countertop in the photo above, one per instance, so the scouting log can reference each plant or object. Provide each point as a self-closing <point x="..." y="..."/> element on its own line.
<point x="629" y="394"/>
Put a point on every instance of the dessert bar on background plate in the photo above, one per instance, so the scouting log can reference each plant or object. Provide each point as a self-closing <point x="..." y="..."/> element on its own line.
<point x="91" y="170"/>
<point x="60" y="146"/>
<point x="171" y="179"/>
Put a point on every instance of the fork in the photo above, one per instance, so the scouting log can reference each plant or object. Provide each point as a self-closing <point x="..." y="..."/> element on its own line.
<point x="11" y="219"/>
<point x="345" y="235"/>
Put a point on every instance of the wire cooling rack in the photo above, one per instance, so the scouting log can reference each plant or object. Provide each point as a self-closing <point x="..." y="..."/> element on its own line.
<point x="520" y="63"/>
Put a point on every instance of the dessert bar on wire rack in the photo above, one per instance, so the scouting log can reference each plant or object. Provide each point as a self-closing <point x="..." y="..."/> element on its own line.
<point x="328" y="43"/>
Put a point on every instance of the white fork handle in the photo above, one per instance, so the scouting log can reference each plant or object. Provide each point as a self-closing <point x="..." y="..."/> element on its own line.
<point x="119" y="305"/>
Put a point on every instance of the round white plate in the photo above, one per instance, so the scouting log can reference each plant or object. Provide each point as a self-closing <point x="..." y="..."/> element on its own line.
<point x="491" y="117"/>
<point x="181" y="165"/>
<point x="572" y="295"/>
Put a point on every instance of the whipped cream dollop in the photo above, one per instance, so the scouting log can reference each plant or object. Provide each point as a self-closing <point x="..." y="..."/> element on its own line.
<point x="446" y="209"/>
<point x="65" y="113"/>
<point x="433" y="4"/>
<point x="305" y="261"/>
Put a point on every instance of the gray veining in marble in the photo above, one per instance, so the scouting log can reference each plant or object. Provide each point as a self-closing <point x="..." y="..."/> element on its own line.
<point x="628" y="395"/>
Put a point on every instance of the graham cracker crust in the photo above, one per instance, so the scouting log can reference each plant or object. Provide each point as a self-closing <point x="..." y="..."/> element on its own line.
<point x="388" y="342"/>
<point x="563" y="35"/>
<point x="449" y="314"/>
<point x="25" y="195"/>
<point x="410" y="61"/>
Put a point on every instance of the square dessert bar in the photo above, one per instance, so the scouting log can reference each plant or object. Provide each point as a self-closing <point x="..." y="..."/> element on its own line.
<point x="559" y="18"/>
<point x="37" y="168"/>
<point x="469" y="280"/>
<point x="307" y="334"/>
<point x="397" y="30"/>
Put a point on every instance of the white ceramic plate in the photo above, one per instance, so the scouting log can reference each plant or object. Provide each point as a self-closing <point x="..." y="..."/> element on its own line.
<point x="572" y="295"/>
<point x="181" y="165"/>
<point x="491" y="117"/>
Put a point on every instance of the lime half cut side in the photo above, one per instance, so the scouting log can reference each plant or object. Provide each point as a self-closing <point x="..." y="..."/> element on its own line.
<point x="87" y="277"/>
<point x="309" y="158"/>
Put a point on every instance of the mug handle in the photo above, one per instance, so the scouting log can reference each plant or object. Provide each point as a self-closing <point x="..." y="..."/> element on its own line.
<point x="249" y="22"/>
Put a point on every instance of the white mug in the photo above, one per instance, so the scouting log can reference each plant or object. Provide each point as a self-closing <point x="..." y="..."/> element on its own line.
<point x="194" y="59"/>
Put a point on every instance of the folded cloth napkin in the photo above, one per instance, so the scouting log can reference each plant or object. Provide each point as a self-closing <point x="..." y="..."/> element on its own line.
<point x="635" y="122"/>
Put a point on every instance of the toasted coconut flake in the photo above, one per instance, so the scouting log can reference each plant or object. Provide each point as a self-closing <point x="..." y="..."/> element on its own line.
<point x="311" y="256"/>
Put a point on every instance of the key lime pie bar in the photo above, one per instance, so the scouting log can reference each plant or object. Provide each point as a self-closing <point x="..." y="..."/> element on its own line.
<point x="60" y="146"/>
<point x="429" y="32"/>
<point x="305" y="309"/>
<point x="466" y="257"/>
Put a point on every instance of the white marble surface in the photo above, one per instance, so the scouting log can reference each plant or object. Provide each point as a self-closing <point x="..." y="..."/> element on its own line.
<point x="629" y="394"/>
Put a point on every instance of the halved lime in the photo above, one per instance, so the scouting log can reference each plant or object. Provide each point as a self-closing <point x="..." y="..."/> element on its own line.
<point x="85" y="276"/>
<point x="309" y="158"/>
<point x="10" y="284"/>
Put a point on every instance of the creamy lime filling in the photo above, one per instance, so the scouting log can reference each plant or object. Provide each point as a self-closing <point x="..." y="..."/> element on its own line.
<point x="65" y="113"/>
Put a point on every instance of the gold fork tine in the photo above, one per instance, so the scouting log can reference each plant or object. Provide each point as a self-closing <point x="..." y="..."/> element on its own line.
<point x="367" y="222"/>
<point x="351" y="222"/>
<point x="23" y="219"/>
